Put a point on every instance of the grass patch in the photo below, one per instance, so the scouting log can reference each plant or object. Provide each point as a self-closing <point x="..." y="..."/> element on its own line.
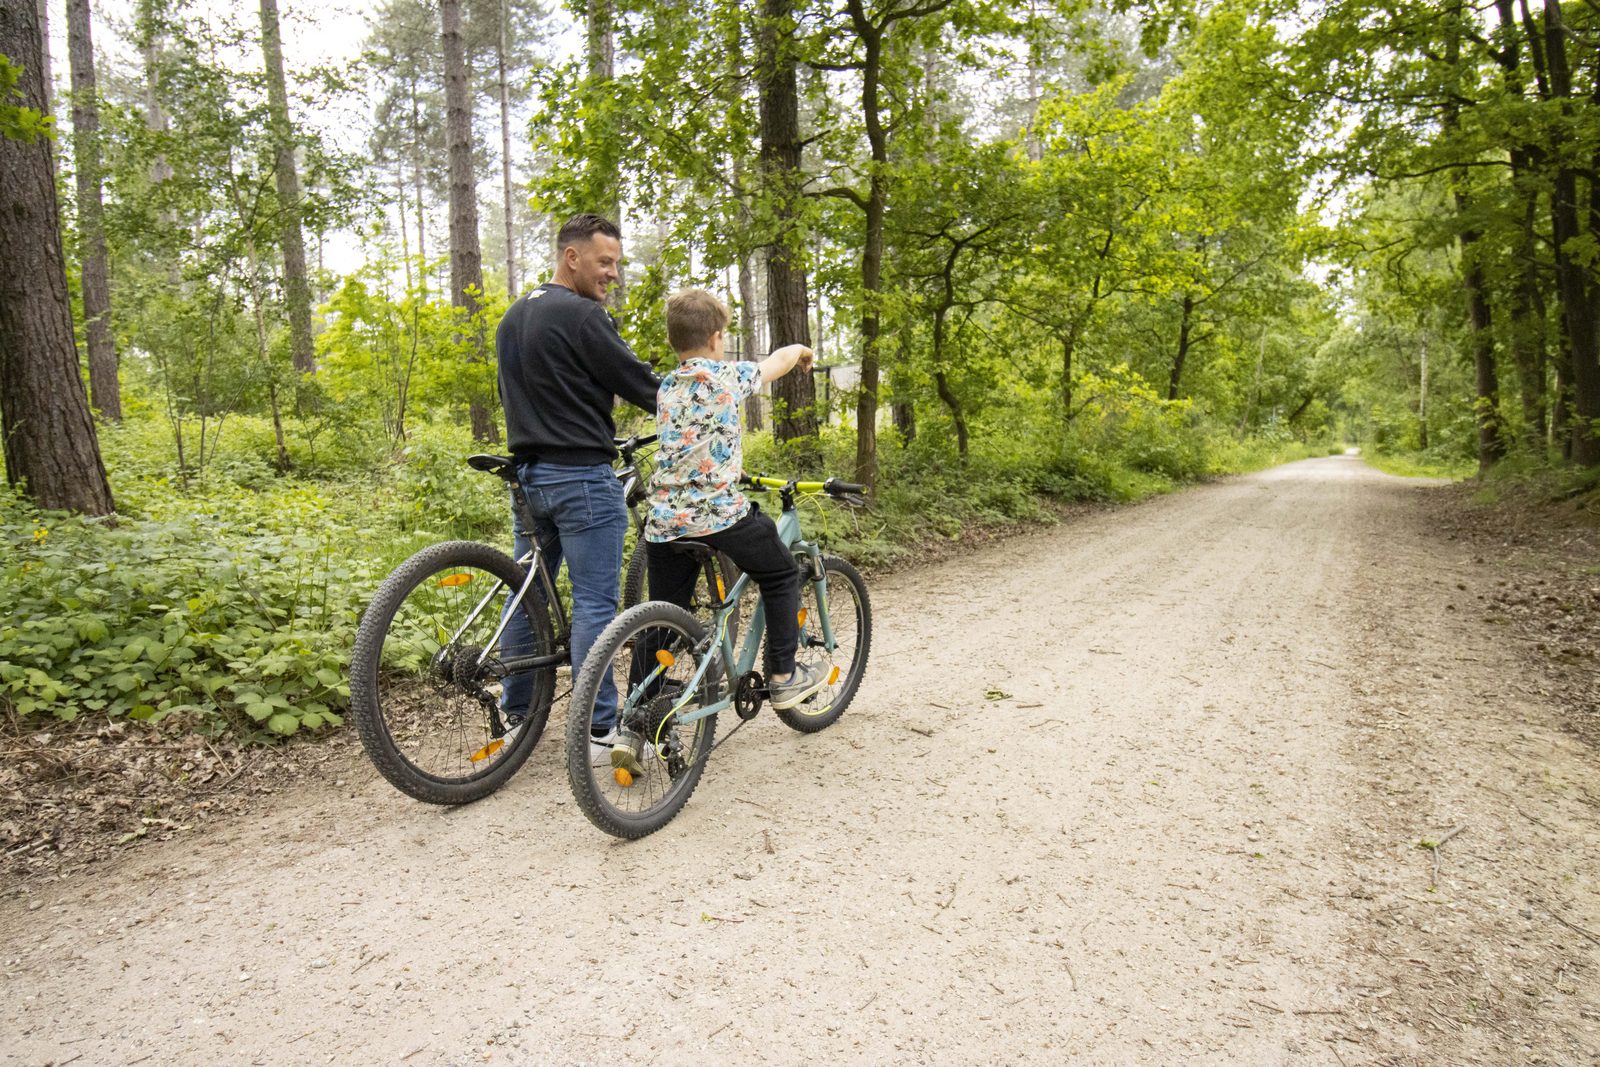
<point x="1420" y="465"/>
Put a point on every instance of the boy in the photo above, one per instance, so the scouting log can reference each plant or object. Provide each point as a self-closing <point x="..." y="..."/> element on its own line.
<point x="695" y="493"/>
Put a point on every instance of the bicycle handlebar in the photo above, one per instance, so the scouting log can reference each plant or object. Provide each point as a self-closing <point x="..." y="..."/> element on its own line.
<point x="844" y="492"/>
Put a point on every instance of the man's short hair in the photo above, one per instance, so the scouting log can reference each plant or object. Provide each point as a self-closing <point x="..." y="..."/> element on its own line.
<point x="693" y="315"/>
<point x="584" y="226"/>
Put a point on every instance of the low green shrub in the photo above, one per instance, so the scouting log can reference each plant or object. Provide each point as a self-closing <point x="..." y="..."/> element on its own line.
<point x="228" y="622"/>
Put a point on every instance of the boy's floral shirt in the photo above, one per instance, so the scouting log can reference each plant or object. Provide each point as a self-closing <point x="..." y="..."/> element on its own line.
<point x="695" y="489"/>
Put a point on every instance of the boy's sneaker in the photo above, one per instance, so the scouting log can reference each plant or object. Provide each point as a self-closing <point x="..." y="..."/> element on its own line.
<point x="803" y="684"/>
<point x="600" y="747"/>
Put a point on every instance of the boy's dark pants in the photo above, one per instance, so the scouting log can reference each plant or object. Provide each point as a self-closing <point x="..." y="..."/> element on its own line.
<point x="753" y="543"/>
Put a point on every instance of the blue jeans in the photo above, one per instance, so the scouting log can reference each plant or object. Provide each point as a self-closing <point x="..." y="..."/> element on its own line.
<point x="580" y="515"/>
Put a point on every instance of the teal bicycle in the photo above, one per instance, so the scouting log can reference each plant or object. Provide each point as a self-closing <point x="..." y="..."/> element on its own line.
<point x="675" y="674"/>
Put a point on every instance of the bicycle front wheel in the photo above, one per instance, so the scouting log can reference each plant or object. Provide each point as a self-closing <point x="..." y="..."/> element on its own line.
<point x="648" y="653"/>
<point x="431" y="687"/>
<point x="850" y="620"/>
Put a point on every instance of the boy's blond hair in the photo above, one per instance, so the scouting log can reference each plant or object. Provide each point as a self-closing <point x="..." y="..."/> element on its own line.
<point x="693" y="315"/>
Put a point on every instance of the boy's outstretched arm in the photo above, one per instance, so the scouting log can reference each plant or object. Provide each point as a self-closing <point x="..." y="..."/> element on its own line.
<point x="784" y="360"/>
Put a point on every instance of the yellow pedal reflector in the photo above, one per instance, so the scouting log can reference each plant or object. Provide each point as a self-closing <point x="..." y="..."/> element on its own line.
<point x="624" y="779"/>
<point x="833" y="675"/>
<point x="802" y="616"/>
<point x="488" y="750"/>
<point x="665" y="658"/>
<point x="449" y="581"/>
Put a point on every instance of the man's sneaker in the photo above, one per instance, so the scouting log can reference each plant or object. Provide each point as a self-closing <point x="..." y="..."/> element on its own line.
<point x="628" y="750"/>
<point x="600" y="748"/>
<point x="803" y="684"/>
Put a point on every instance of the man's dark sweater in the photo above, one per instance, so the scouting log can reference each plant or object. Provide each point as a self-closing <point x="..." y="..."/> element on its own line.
<point x="561" y="362"/>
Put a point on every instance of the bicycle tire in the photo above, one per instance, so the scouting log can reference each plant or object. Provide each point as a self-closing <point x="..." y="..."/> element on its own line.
<point x="399" y="703"/>
<point x="677" y="755"/>
<point x="852" y="631"/>
<point x="633" y="577"/>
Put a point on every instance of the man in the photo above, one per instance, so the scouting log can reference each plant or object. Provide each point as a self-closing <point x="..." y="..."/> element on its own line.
<point x="561" y="362"/>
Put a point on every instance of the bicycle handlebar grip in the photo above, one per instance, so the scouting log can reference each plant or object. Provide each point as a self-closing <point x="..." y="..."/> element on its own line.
<point x="834" y="485"/>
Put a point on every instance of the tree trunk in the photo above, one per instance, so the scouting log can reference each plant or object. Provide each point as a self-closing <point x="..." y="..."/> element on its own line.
<point x="601" y="53"/>
<point x="47" y="432"/>
<point x="466" y="260"/>
<point x="942" y="384"/>
<point x="505" y="148"/>
<point x="47" y="78"/>
<point x="1491" y="443"/>
<point x="1561" y="406"/>
<point x="1576" y="289"/>
<point x="416" y="188"/>
<point x="105" y="394"/>
<point x="1527" y="329"/>
<point x="1422" y="397"/>
<point x="405" y="235"/>
<point x="872" y="250"/>
<point x="753" y="419"/>
<point x="296" y="289"/>
<point x="1069" y="344"/>
<point x="1185" y="326"/>
<point x="155" y="117"/>
<point x="263" y="353"/>
<point x="794" y="396"/>
<point x="600" y="41"/>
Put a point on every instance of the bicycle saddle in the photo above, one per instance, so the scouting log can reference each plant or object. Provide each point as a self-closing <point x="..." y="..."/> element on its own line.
<point x="504" y="466"/>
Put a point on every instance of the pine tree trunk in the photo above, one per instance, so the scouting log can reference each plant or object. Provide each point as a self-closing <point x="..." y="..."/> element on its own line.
<point x="505" y="147"/>
<point x="44" y="60"/>
<point x="600" y="40"/>
<point x="794" y="396"/>
<point x="104" y="392"/>
<point x="47" y="432"/>
<point x="416" y="188"/>
<point x="466" y="258"/>
<point x="296" y="289"/>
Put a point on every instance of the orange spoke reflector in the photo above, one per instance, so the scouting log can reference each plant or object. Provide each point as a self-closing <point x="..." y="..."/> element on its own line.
<point x="665" y="658"/>
<point x="833" y="675"/>
<point x="802" y="616"/>
<point x="454" y="580"/>
<point x="624" y="779"/>
<point x="722" y="590"/>
<point x="488" y="750"/>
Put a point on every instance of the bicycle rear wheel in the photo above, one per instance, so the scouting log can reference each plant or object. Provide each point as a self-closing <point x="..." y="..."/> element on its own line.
<point x="427" y="675"/>
<point x="650" y="653"/>
<point x="850" y="619"/>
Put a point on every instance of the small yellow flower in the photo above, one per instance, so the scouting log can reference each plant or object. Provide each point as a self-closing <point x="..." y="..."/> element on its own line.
<point x="40" y="534"/>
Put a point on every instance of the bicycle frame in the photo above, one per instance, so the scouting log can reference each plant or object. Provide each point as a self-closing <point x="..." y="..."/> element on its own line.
<point x="535" y="563"/>
<point x="744" y="658"/>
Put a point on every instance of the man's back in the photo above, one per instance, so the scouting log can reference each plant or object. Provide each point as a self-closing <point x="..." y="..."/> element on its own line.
<point x="561" y="360"/>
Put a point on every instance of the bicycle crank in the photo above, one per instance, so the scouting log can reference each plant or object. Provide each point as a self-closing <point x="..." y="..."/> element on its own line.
<point x="748" y="694"/>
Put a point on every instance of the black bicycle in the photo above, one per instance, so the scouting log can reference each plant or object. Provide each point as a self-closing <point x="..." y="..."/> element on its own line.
<point x="432" y="658"/>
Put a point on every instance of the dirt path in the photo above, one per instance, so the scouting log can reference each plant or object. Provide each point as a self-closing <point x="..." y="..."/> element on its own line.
<point x="1190" y="834"/>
